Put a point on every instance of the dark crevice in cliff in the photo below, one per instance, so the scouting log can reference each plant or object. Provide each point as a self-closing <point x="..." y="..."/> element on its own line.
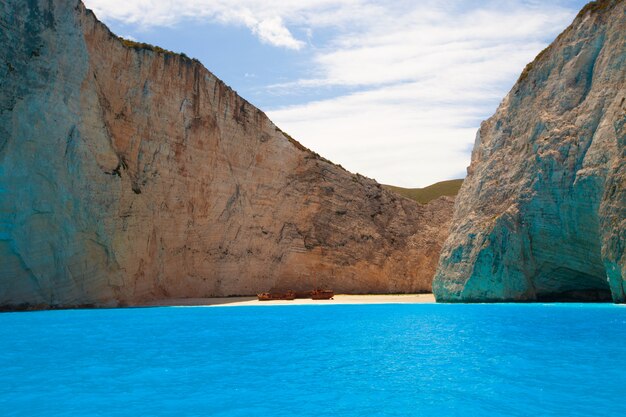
<point x="588" y="75"/>
<point x="116" y="171"/>
<point x="69" y="142"/>
<point x="576" y="296"/>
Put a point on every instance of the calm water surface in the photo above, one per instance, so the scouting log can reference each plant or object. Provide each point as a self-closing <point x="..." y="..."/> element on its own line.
<point x="357" y="360"/>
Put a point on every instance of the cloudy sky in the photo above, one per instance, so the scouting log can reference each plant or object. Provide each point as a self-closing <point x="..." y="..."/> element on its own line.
<point x="394" y="90"/>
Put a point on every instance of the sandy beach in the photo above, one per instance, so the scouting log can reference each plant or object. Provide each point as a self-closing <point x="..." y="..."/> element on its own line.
<point x="338" y="299"/>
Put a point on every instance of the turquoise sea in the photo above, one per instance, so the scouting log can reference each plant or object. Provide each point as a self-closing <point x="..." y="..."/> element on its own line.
<point x="353" y="360"/>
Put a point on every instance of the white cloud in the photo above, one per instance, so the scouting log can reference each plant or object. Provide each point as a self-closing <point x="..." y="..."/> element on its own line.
<point x="424" y="83"/>
<point x="393" y="134"/>
<point x="265" y="18"/>
<point x="422" y="74"/>
<point x="273" y="31"/>
<point x="265" y="22"/>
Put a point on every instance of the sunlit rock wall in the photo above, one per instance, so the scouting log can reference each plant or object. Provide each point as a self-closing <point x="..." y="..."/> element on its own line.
<point x="130" y="174"/>
<point x="542" y="213"/>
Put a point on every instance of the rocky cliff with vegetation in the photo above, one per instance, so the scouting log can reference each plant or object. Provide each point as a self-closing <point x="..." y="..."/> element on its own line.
<point x="542" y="213"/>
<point x="425" y="195"/>
<point x="129" y="173"/>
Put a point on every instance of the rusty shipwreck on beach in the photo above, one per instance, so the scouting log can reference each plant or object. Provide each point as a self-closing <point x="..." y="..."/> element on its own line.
<point x="322" y="294"/>
<point x="271" y="296"/>
<point x="291" y="295"/>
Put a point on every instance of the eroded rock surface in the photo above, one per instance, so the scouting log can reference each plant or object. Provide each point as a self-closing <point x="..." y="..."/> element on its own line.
<point x="542" y="213"/>
<point x="129" y="174"/>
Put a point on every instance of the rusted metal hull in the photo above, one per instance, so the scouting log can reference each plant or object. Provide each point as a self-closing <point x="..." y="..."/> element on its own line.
<point x="322" y="294"/>
<point x="269" y="296"/>
<point x="291" y="295"/>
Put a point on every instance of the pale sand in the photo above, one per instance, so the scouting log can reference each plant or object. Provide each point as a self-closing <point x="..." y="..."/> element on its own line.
<point x="338" y="299"/>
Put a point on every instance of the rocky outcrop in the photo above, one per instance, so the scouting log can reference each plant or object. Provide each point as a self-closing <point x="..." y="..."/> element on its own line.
<point x="542" y="213"/>
<point x="129" y="174"/>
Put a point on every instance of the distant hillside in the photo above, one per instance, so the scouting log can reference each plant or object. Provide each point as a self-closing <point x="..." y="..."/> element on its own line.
<point x="426" y="194"/>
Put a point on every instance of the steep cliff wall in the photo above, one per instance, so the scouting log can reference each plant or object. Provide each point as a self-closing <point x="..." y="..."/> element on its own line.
<point x="129" y="174"/>
<point x="542" y="213"/>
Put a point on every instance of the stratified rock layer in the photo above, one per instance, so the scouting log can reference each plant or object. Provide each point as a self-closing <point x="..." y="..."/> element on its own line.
<point x="542" y="213"/>
<point x="129" y="174"/>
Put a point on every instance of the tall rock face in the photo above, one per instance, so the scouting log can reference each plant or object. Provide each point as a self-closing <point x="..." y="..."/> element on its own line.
<point x="542" y="213"/>
<point x="129" y="174"/>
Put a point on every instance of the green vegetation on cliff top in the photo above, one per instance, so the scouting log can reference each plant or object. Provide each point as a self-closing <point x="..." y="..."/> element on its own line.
<point x="142" y="46"/>
<point x="427" y="194"/>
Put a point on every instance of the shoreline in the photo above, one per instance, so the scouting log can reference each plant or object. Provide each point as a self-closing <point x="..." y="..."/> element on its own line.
<point x="236" y="301"/>
<point x="338" y="299"/>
